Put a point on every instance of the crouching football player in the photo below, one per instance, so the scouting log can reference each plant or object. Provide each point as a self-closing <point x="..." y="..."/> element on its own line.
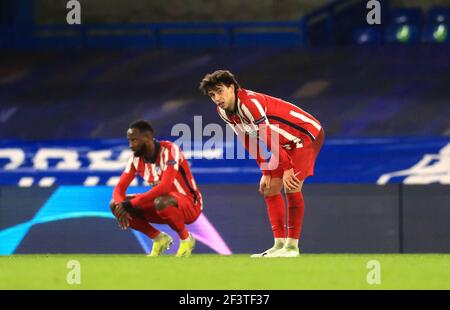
<point x="174" y="199"/>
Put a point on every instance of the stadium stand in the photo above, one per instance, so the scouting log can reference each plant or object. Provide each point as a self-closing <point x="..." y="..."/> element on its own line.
<point x="95" y="94"/>
<point x="94" y="78"/>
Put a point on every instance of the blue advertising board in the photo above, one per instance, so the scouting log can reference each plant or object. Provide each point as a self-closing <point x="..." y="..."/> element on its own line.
<point x="100" y="162"/>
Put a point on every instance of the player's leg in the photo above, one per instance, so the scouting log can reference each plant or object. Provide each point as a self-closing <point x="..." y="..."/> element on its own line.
<point x="276" y="211"/>
<point x="167" y="208"/>
<point x="304" y="161"/>
<point x="191" y="210"/>
<point x="174" y="210"/>
<point x="140" y="221"/>
<point x="296" y="211"/>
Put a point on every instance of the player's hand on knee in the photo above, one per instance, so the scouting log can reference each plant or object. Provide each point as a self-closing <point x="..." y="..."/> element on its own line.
<point x="290" y="181"/>
<point x="264" y="184"/>
<point x="124" y="223"/>
<point x="122" y="216"/>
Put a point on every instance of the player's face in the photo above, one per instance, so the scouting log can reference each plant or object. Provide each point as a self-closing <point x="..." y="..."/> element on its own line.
<point x="223" y="96"/>
<point x="136" y="142"/>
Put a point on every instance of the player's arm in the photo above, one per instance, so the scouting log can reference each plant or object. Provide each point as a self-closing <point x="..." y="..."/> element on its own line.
<point x="249" y="141"/>
<point x="164" y="187"/>
<point x="119" y="194"/>
<point x="120" y="190"/>
<point x="255" y="112"/>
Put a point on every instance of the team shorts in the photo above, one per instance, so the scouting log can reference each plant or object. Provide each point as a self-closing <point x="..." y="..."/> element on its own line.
<point x="303" y="158"/>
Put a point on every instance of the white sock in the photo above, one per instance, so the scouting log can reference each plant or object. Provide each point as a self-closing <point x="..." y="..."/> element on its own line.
<point x="292" y="243"/>
<point x="279" y="242"/>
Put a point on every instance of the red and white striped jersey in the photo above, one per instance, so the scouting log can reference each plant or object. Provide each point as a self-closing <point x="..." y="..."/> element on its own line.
<point x="295" y="127"/>
<point x="168" y="172"/>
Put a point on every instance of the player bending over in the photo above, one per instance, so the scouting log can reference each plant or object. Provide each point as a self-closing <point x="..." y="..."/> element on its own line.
<point x="258" y="117"/>
<point x="174" y="198"/>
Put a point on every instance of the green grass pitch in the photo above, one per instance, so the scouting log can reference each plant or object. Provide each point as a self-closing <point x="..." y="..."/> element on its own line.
<point x="322" y="271"/>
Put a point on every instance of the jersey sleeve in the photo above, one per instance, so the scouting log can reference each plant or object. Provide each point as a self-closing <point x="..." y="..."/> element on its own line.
<point x="170" y="163"/>
<point x="120" y="190"/>
<point x="254" y="111"/>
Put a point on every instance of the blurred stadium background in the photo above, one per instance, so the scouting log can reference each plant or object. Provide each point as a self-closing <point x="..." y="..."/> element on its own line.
<point x="382" y="92"/>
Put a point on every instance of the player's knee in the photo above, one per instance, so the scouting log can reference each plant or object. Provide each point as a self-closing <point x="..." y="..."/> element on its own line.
<point x="276" y="185"/>
<point x="293" y="191"/>
<point x="272" y="192"/>
<point x="163" y="202"/>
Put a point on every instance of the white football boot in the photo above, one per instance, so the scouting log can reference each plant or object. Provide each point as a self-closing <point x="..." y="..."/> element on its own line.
<point x="278" y="244"/>
<point x="267" y="252"/>
<point x="284" y="252"/>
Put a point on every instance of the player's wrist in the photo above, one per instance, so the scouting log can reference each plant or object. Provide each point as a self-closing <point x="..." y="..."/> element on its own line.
<point x="287" y="168"/>
<point x="127" y="205"/>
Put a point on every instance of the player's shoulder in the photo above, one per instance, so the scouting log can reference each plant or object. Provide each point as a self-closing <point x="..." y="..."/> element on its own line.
<point x="247" y="96"/>
<point x="134" y="160"/>
<point x="252" y="102"/>
<point x="168" y="144"/>
<point x="243" y="93"/>
<point x="175" y="153"/>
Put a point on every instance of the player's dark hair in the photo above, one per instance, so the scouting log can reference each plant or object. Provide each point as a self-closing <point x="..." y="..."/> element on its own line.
<point x="213" y="80"/>
<point x="142" y="126"/>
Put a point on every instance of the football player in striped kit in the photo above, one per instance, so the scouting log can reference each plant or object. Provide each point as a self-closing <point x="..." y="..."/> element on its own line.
<point x="174" y="198"/>
<point x="293" y="136"/>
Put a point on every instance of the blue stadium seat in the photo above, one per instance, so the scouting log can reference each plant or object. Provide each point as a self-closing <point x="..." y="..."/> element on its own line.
<point x="278" y="39"/>
<point x="367" y="35"/>
<point x="404" y="26"/>
<point x="124" y="41"/>
<point x="402" y="33"/>
<point x="407" y="16"/>
<point x="438" y="15"/>
<point x="437" y="27"/>
<point x="57" y="42"/>
<point x="436" y="33"/>
<point x="194" y="40"/>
